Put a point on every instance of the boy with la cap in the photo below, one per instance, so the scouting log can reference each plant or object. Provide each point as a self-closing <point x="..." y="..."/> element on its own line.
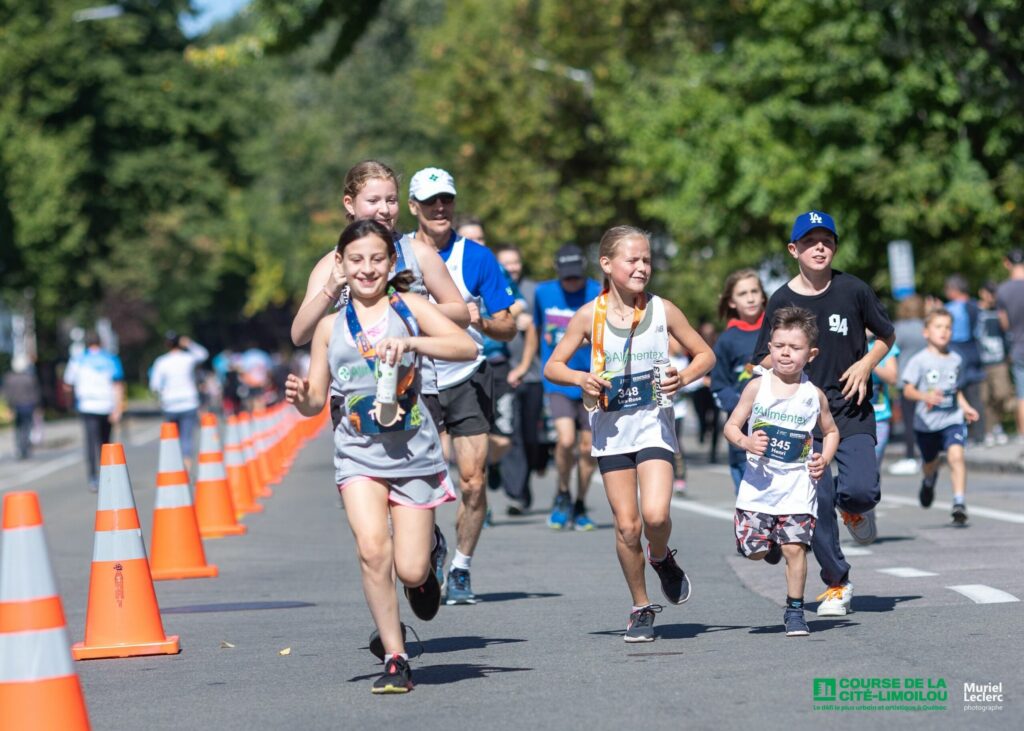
<point x="845" y="307"/>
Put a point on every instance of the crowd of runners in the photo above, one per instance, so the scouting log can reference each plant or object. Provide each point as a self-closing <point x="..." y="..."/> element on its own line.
<point x="432" y="350"/>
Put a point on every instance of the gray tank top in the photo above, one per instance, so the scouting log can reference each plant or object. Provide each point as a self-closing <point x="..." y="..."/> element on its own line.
<point x="413" y="448"/>
<point x="407" y="256"/>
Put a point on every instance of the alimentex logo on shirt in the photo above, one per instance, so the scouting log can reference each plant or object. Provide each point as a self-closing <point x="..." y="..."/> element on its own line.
<point x="880" y="694"/>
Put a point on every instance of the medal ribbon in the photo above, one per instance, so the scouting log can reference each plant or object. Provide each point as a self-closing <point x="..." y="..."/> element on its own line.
<point x="366" y="348"/>
<point x="597" y="357"/>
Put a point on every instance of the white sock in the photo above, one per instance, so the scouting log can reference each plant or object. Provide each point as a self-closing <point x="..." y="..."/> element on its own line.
<point x="461" y="560"/>
<point x="402" y="655"/>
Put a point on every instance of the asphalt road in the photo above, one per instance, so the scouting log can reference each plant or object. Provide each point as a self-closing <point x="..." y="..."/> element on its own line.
<point x="544" y="649"/>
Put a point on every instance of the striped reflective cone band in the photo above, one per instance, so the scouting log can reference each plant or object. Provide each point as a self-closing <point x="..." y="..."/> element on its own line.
<point x="123" y="617"/>
<point x="38" y="685"/>
<point x="238" y="477"/>
<point x="259" y="487"/>
<point x="215" y="510"/>
<point x="259" y="445"/>
<point x="177" y="548"/>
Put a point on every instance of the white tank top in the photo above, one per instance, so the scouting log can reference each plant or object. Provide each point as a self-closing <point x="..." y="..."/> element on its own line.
<point x="633" y="420"/>
<point x="778" y="483"/>
<point x="452" y="373"/>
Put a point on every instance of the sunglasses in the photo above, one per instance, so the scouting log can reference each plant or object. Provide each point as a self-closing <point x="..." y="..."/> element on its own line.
<point x="445" y="198"/>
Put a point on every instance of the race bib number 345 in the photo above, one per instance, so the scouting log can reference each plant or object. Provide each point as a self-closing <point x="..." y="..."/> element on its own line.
<point x="786" y="445"/>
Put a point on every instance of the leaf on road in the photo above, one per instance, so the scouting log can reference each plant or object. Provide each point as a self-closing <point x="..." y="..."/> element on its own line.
<point x="285" y="651"/>
<point x="225" y="645"/>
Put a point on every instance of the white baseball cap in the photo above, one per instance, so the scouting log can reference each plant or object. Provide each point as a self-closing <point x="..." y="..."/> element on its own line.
<point x="428" y="182"/>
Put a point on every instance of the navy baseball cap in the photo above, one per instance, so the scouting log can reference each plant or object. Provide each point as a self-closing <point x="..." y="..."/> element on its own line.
<point x="570" y="262"/>
<point x="811" y="220"/>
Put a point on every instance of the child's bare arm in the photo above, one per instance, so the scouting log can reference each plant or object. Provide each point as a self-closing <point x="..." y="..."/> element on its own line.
<point x="757" y="442"/>
<point x="970" y="413"/>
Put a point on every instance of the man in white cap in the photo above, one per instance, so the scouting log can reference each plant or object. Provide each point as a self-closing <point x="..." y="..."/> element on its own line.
<point x="465" y="389"/>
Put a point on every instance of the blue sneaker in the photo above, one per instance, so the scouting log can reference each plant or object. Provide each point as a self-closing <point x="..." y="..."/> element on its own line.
<point x="580" y="520"/>
<point x="460" y="590"/>
<point x="560" y="512"/>
<point x="438" y="556"/>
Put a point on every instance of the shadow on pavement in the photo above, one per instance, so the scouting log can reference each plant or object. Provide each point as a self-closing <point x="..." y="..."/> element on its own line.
<point x="678" y="631"/>
<point x="444" y="674"/>
<point x="816" y="625"/>
<point x="872" y="603"/>
<point x="511" y="596"/>
<point x="893" y="539"/>
<point x="456" y="644"/>
<point x="233" y="607"/>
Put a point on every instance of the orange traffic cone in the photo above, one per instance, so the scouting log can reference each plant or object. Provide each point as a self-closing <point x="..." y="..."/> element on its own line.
<point x="38" y="685"/>
<point x="177" y="548"/>
<point x="238" y="476"/>
<point x="123" y="618"/>
<point x="215" y="510"/>
<point x="260" y="445"/>
<point x="259" y="487"/>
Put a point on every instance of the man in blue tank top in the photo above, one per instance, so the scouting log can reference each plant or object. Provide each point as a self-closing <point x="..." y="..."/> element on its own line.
<point x="465" y="389"/>
<point x="555" y="302"/>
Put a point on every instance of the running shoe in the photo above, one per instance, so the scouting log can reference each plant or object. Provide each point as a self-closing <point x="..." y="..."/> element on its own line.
<point x="674" y="583"/>
<point x="460" y="590"/>
<point x="959" y="514"/>
<point x="397" y="677"/>
<point x="927" y="493"/>
<point x="862" y="527"/>
<point x="679" y="487"/>
<point x="796" y="625"/>
<point x="488" y="523"/>
<point x="515" y="508"/>
<point x="377" y="647"/>
<point x="560" y="512"/>
<point x="425" y="600"/>
<point x="580" y="520"/>
<point x="835" y="601"/>
<point x="438" y="555"/>
<point x="641" y="624"/>
<point x="904" y="468"/>
<point x="774" y="554"/>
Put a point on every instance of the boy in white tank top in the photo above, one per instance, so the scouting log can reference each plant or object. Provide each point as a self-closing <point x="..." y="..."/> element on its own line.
<point x="777" y="500"/>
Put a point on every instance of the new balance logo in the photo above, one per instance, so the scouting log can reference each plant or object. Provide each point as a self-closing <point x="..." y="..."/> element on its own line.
<point x="815" y="218"/>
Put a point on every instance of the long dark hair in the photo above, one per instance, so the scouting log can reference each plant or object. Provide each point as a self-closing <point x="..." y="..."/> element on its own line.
<point x="402" y="281"/>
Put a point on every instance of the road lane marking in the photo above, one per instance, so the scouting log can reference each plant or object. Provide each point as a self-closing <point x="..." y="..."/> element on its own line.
<point x="981" y="594"/>
<point x="39" y="471"/>
<point x="707" y="510"/>
<point x="906" y="572"/>
<point x="1004" y="515"/>
<point x="856" y="551"/>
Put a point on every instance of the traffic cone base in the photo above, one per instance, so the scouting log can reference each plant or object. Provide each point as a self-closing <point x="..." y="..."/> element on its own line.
<point x="170" y="646"/>
<point x="223" y="531"/>
<point x="175" y="535"/>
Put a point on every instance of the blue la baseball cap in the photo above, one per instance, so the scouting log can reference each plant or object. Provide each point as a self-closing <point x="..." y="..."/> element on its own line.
<point x="811" y="220"/>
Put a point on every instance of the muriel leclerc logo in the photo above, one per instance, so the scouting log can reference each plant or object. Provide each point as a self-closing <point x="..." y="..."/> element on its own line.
<point x="983" y="696"/>
<point x="880" y="694"/>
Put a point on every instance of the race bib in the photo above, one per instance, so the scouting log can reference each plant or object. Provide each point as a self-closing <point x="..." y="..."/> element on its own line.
<point x="630" y="391"/>
<point x="361" y="415"/>
<point x="786" y="445"/>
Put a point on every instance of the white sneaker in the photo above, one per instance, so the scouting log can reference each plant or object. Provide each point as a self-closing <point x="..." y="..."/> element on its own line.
<point x="863" y="527"/>
<point x="904" y="468"/>
<point x="835" y="601"/>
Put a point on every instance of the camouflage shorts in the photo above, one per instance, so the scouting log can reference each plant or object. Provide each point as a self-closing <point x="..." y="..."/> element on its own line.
<point x="755" y="532"/>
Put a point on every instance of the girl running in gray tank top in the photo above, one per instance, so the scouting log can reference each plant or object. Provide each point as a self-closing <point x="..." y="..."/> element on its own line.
<point x="388" y="463"/>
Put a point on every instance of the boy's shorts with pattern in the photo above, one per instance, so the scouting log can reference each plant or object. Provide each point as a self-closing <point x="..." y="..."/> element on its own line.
<point x="756" y="532"/>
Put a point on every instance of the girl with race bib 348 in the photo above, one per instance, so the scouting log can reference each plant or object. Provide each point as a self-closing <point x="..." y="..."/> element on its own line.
<point x="627" y="391"/>
<point x="387" y="458"/>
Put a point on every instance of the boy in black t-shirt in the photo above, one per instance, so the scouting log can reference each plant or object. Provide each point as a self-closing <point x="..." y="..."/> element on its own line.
<point x="844" y="306"/>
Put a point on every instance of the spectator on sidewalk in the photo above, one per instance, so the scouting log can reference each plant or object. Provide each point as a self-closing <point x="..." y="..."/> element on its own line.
<point x="1010" y="303"/>
<point x="21" y="391"/>
<point x="97" y="378"/>
<point x="173" y="379"/>
<point x="996" y="389"/>
<point x="965" y="323"/>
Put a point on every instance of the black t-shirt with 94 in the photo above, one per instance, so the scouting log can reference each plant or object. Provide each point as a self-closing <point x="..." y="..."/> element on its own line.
<point x="843" y="310"/>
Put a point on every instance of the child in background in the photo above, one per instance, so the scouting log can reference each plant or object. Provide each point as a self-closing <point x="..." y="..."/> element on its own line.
<point x="742" y="302"/>
<point x="885" y="374"/>
<point x="777" y="501"/>
<point x="934" y="379"/>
